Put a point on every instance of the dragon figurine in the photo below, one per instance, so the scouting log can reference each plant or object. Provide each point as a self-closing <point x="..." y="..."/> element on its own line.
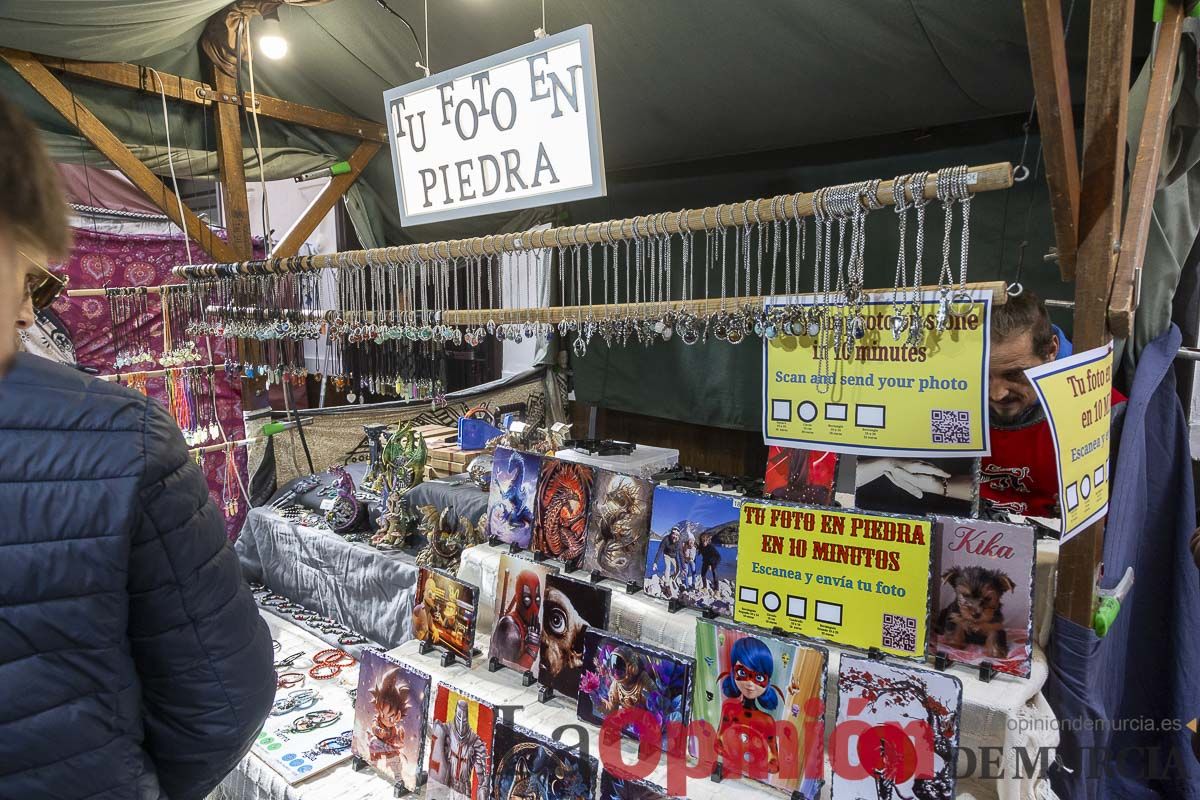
<point x="401" y="467"/>
<point x="446" y="543"/>
<point x="347" y="510"/>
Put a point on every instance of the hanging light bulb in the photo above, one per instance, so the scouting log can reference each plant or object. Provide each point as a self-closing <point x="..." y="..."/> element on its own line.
<point x="271" y="42"/>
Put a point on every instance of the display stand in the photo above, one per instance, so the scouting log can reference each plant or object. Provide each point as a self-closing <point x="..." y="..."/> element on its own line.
<point x="1008" y="713"/>
<point x="400" y="788"/>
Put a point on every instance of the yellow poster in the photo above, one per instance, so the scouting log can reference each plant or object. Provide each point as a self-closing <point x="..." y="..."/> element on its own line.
<point x="882" y="394"/>
<point x="846" y="577"/>
<point x="1076" y="393"/>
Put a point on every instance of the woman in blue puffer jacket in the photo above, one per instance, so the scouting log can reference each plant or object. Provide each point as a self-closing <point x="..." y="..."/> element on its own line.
<point x="133" y="662"/>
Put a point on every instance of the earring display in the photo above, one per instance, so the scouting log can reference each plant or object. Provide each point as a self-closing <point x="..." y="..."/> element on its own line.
<point x="730" y="272"/>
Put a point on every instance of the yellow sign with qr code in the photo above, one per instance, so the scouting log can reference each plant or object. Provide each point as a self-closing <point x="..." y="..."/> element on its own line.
<point x="847" y="577"/>
<point x="883" y="394"/>
<point x="1076" y="393"/>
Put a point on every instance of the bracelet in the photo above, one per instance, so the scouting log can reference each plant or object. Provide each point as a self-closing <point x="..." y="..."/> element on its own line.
<point x="336" y="745"/>
<point x="297" y="700"/>
<point x="313" y="720"/>
<point x="334" y="656"/>
<point x="289" y="660"/>
<point x="289" y="608"/>
<point x="319" y="671"/>
<point x="289" y="679"/>
<point x="352" y="638"/>
<point x="272" y="600"/>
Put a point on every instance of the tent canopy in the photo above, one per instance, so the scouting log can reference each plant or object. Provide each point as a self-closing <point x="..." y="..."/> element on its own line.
<point x="679" y="80"/>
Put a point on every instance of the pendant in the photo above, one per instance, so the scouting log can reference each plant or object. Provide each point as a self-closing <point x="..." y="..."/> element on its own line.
<point x="898" y="326"/>
<point x="579" y="347"/>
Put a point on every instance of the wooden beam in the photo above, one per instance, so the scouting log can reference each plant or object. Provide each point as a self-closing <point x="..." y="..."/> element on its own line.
<point x="127" y="76"/>
<point x="104" y="140"/>
<point x="318" y="118"/>
<point x="1144" y="182"/>
<point x="232" y="171"/>
<point x="1056" y="123"/>
<point x="1110" y="48"/>
<point x="132" y="76"/>
<point x="289" y="245"/>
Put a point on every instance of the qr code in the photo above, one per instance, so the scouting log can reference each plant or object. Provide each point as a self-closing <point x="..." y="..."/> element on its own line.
<point x="950" y="427"/>
<point x="900" y="633"/>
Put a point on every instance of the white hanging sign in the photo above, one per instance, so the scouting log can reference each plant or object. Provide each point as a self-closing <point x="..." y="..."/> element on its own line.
<point x="514" y="130"/>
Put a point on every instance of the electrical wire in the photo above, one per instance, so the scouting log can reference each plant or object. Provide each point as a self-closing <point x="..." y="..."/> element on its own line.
<point x="262" y="179"/>
<point x="411" y="29"/>
<point x="171" y="161"/>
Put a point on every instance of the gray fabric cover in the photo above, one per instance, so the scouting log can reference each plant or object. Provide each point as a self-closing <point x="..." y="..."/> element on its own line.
<point x="363" y="588"/>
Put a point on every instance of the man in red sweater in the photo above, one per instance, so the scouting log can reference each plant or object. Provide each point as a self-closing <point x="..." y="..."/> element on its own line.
<point x="1021" y="475"/>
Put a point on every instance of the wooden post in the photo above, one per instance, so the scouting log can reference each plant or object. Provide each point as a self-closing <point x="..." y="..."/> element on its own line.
<point x="232" y="168"/>
<point x="104" y="140"/>
<point x="289" y="245"/>
<point x="1052" y="88"/>
<point x="1144" y="182"/>
<point x="1110" y="46"/>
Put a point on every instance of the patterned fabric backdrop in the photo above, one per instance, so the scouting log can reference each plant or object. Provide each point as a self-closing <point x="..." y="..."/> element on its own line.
<point x="107" y="259"/>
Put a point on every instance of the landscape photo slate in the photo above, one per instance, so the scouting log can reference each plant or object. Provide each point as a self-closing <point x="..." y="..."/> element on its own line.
<point x="983" y="586"/>
<point x="693" y="552"/>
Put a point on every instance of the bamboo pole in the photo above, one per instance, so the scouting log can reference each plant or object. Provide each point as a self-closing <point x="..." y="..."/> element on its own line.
<point x="554" y="314"/>
<point x="984" y="178"/>
<point x="212" y="448"/>
<point x="121" y="289"/>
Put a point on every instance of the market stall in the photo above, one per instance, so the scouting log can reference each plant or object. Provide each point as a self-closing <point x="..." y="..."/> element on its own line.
<point x="805" y="495"/>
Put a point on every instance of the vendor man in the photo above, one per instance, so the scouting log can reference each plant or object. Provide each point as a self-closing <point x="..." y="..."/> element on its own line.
<point x="1021" y="477"/>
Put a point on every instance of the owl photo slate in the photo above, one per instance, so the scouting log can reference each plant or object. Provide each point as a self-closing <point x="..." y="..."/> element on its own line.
<point x="982" y="593"/>
<point x="461" y="731"/>
<point x="532" y="767"/>
<point x="618" y="530"/>
<point x="876" y="694"/>
<point x="763" y="698"/>
<point x="570" y="607"/>
<point x="564" y="493"/>
<point x="390" y="718"/>
<point x="692" y="557"/>
<point x="620" y="674"/>
<point x="512" y="504"/>
<point x="517" y="632"/>
<point x="444" y="613"/>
